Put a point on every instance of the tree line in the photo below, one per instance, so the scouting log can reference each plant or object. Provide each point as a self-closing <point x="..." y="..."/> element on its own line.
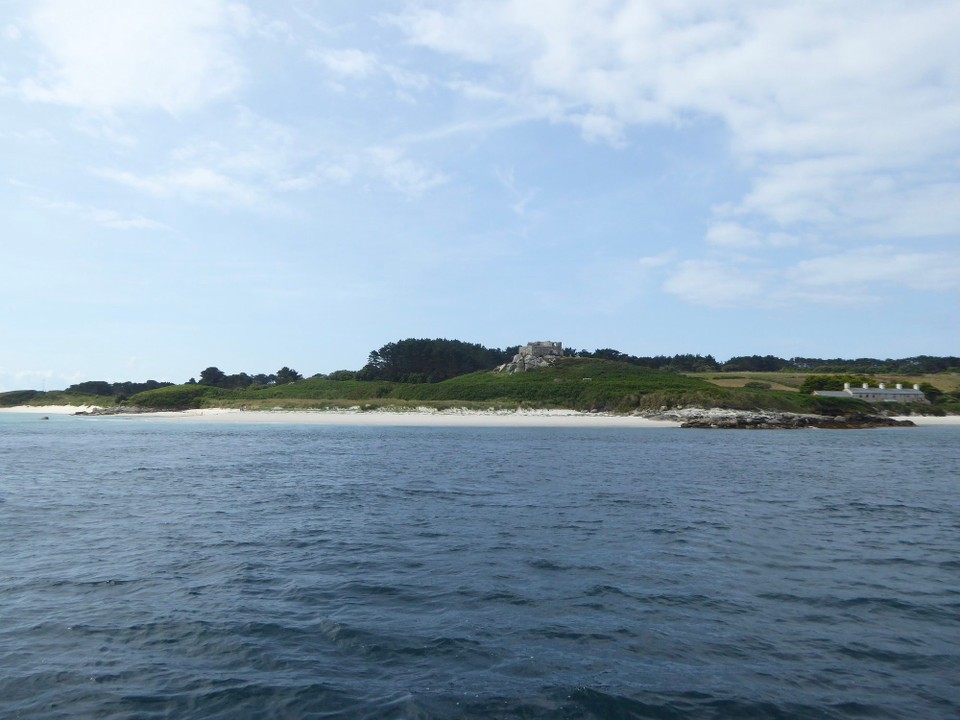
<point x="421" y="360"/>
<point x="117" y="389"/>
<point x="215" y="377"/>
<point x="211" y="376"/>
<point x="675" y="363"/>
<point x="918" y="365"/>
<point x="434" y="360"/>
<point x="430" y="361"/>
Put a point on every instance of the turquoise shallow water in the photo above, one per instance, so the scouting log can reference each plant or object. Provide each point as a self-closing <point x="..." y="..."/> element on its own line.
<point x="155" y="570"/>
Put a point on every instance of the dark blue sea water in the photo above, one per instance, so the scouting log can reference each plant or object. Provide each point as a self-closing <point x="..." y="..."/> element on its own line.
<point x="153" y="570"/>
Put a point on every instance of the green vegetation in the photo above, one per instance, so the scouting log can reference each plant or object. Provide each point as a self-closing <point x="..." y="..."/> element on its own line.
<point x="215" y="377"/>
<point x="444" y="373"/>
<point x="575" y="383"/>
<point x="101" y="388"/>
<point x="52" y="397"/>
<point x="175" y="397"/>
<point x="831" y="382"/>
<point x="921" y="364"/>
<point x="430" y="361"/>
<point x="18" y="397"/>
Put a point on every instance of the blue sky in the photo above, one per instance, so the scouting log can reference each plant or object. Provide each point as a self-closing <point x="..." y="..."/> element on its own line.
<point x="186" y="183"/>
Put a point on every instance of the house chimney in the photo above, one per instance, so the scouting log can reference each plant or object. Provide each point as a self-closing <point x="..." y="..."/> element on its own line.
<point x="899" y="386"/>
<point x="866" y="386"/>
<point x="883" y="386"/>
<point x="846" y="386"/>
<point x="916" y="387"/>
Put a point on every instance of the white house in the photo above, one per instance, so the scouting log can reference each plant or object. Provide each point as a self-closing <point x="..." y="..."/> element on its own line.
<point x="879" y="394"/>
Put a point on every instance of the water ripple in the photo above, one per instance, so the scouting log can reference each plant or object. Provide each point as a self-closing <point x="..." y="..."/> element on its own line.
<point x="165" y="571"/>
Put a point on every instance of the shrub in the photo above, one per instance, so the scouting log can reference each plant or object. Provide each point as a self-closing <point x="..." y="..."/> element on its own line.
<point x="17" y="397"/>
<point x="175" y="397"/>
<point x="831" y="382"/>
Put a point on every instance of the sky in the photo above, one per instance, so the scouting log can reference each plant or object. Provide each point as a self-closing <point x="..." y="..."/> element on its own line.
<point x="251" y="185"/>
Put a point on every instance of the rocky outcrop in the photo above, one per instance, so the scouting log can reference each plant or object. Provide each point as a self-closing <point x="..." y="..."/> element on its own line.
<point x="115" y="410"/>
<point x="533" y="355"/>
<point x="758" y="420"/>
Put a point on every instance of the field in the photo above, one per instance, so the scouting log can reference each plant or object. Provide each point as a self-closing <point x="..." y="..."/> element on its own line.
<point x="791" y="381"/>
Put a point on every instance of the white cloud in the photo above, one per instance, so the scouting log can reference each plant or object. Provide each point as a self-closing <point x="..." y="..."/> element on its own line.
<point x="352" y="64"/>
<point x="195" y="184"/>
<point x="520" y="198"/>
<point x="882" y="265"/>
<point x="843" y="114"/>
<point x="931" y="210"/>
<point x="716" y="284"/>
<point x="256" y="162"/>
<point x="733" y="235"/>
<point x="32" y="135"/>
<point x="113" y="132"/>
<point x="598" y="127"/>
<point x="107" y="55"/>
<point x="852" y="277"/>
<point x="348" y="63"/>
<point x="406" y="79"/>
<point x="403" y="174"/>
<point x="99" y="216"/>
<point x="252" y="163"/>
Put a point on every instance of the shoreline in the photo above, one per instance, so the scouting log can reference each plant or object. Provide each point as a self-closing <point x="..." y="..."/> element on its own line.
<point x="423" y="417"/>
<point x="420" y="417"/>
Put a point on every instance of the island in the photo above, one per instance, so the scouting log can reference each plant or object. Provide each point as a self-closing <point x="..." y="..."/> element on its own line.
<point x="448" y="378"/>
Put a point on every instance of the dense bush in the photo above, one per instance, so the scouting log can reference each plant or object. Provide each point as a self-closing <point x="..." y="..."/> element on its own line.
<point x="174" y="397"/>
<point x="17" y="397"/>
<point x="430" y="361"/>
<point x="106" y="389"/>
<point x="830" y="382"/>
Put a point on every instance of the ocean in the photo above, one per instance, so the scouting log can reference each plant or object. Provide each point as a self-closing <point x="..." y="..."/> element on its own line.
<point x="175" y="570"/>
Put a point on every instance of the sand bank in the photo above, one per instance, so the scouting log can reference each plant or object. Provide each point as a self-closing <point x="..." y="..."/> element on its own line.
<point x="931" y="419"/>
<point x="423" y="417"/>
<point x="49" y="409"/>
<point x="418" y="417"/>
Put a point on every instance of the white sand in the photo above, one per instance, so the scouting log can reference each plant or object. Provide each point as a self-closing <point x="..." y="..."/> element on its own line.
<point x="423" y="417"/>
<point x="417" y="417"/>
<point x="49" y="409"/>
<point x="931" y="419"/>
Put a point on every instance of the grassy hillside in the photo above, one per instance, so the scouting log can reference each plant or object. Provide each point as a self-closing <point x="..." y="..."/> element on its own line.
<point x="15" y="398"/>
<point x="574" y="383"/>
<point x="579" y="383"/>
<point x="315" y="392"/>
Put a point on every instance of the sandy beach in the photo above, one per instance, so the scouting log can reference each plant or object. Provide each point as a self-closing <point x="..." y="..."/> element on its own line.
<point x="420" y="417"/>
<point x="931" y="419"/>
<point x="424" y="417"/>
<point x="49" y="409"/>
